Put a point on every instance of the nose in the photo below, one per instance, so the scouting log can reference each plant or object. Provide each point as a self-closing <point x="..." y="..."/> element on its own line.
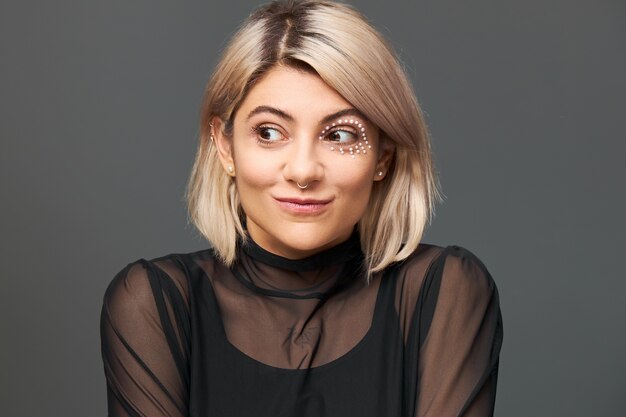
<point x="304" y="166"/>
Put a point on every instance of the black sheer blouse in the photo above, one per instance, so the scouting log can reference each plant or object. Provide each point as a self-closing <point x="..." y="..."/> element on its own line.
<point x="184" y="335"/>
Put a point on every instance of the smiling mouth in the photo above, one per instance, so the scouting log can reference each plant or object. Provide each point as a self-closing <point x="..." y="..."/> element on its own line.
<point x="303" y="206"/>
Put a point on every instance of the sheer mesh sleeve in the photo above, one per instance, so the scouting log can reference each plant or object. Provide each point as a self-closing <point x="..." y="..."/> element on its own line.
<point x="458" y="362"/>
<point x="144" y="331"/>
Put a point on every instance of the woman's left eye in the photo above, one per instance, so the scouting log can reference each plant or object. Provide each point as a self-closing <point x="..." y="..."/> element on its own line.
<point x="341" y="137"/>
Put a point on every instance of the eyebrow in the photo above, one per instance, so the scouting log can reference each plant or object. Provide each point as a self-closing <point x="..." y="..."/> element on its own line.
<point x="341" y="113"/>
<point x="272" y="110"/>
<point x="284" y="115"/>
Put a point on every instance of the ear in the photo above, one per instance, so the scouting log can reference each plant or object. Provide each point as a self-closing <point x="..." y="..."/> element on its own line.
<point x="387" y="151"/>
<point x="223" y="144"/>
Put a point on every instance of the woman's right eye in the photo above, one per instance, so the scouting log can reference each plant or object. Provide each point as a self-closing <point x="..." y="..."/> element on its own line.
<point x="268" y="134"/>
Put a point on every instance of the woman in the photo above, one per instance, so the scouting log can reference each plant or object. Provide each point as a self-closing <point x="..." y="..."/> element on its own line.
<point x="313" y="182"/>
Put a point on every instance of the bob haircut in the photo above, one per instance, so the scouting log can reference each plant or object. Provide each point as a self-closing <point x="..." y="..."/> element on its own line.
<point x="335" y="42"/>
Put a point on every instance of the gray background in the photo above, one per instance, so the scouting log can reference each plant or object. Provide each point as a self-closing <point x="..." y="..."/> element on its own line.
<point x="526" y="103"/>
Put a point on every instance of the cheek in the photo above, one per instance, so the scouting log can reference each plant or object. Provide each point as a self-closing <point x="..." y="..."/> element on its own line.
<point x="255" y="175"/>
<point x="355" y="181"/>
<point x="253" y="171"/>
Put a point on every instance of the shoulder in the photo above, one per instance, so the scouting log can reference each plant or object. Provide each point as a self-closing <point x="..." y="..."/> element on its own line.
<point x="128" y="290"/>
<point x="462" y="271"/>
<point x="448" y="281"/>
<point x="453" y="269"/>
<point x="453" y="258"/>
<point x="136" y="285"/>
<point x="145" y="309"/>
<point x="411" y="271"/>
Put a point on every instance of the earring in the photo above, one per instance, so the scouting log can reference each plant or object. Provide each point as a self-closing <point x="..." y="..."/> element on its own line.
<point x="230" y="169"/>
<point x="380" y="173"/>
<point x="211" y="132"/>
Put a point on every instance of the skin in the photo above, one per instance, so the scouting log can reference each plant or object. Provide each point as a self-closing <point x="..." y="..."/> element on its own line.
<point x="276" y="144"/>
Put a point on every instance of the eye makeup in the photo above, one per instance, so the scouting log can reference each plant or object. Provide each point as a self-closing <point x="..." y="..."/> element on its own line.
<point x="359" y="145"/>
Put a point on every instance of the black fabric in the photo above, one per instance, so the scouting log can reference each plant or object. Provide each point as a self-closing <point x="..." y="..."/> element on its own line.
<point x="183" y="335"/>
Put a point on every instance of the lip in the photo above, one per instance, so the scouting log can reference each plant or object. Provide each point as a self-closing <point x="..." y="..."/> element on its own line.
<point x="308" y="206"/>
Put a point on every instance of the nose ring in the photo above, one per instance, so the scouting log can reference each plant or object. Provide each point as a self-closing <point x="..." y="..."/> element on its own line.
<point x="302" y="187"/>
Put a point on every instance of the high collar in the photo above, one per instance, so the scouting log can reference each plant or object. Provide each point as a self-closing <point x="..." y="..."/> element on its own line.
<point x="339" y="254"/>
<point x="316" y="276"/>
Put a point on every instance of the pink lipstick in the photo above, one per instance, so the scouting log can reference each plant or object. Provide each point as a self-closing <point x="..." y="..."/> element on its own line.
<point x="303" y="206"/>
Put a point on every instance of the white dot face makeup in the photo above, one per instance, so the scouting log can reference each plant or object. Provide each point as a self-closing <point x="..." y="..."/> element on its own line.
<point x="356" y="143"/>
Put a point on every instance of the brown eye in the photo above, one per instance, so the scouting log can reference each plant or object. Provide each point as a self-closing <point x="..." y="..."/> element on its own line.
<point x="342" y="137"/>
<point x="268" y="134"/>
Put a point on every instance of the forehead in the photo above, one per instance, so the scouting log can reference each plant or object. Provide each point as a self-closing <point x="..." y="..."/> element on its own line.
<point x="303" y="95"/>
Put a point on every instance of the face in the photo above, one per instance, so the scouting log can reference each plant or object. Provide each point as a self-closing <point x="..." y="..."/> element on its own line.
<point x="304" y="161"/>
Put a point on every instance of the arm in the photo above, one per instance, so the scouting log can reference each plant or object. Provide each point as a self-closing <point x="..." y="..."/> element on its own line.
<point x="144" y="340"/>
<point x="458" y="361"/>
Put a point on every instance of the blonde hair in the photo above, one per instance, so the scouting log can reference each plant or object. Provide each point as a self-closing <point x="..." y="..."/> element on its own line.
<point x="338" y="44"/>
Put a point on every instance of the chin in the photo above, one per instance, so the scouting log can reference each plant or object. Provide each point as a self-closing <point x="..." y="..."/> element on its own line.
<point x="298" y="239"/>
<point x="302" y="243"/>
